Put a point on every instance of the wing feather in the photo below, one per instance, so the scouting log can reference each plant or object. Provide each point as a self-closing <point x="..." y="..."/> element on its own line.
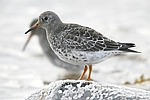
<point x="86" y="39"/>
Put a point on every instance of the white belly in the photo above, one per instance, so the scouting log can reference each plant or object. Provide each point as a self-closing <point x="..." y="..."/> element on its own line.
<point x="86" y="58"/>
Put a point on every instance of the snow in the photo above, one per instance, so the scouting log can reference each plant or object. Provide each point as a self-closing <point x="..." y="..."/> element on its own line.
<point x="87" y="90"/>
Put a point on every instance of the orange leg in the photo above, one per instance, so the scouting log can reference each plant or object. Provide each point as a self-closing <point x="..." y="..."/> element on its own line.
<point x="89" y="75"/>
<point x="83" y="73"/>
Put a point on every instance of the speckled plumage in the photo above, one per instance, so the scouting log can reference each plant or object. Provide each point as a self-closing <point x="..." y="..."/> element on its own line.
<point x="78" y="44"/>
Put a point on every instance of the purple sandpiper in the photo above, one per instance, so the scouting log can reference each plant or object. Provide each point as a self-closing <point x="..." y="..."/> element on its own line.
<point x="78" y="44"/>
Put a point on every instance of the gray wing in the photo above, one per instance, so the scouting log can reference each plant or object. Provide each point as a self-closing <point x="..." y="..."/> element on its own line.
<point x="86" y="39"/>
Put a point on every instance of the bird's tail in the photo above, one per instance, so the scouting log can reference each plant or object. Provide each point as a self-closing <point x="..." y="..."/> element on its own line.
<point x="125" y="47"/>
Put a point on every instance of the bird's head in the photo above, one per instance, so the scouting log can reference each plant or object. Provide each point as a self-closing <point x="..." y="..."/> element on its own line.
<point x="47" y="20"/>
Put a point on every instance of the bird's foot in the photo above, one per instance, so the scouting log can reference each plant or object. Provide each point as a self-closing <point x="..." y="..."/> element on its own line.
<point x="89" y="79"/>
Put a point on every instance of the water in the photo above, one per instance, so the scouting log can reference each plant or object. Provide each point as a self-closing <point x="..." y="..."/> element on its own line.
<point x="21" y="73"/>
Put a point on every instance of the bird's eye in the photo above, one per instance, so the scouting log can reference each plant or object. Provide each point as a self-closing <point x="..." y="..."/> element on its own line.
<point x="45" y="19"/>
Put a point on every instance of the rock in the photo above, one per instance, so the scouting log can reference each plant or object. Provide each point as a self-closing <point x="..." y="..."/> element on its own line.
<point x="87" y="90"/>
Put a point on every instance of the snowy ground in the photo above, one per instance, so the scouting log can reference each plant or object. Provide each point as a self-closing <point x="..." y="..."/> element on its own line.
<point x="21" y="73"/>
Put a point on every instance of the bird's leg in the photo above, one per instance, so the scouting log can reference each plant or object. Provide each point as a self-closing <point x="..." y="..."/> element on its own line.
<point x="89" y="75"/>
<point x="83" y="73"/>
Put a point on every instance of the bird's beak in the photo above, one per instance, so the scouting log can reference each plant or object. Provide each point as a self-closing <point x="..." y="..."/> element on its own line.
<point x="24" y="47"/>
<point x="36" y="25"/>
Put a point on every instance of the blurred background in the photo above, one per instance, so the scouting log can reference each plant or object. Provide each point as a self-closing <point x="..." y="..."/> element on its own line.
<point x="21" y="73"/>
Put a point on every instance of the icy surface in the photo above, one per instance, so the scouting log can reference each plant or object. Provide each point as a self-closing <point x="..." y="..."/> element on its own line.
<point x="85" y="90"/>
<point x="22" y="73"/>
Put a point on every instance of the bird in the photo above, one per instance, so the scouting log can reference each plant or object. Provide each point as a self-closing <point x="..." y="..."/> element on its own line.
<point x="77" y="44"/>
<point x="53" y="58"/>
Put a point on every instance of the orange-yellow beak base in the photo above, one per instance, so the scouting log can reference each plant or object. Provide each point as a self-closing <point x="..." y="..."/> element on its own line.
<point x="36" y="25"/>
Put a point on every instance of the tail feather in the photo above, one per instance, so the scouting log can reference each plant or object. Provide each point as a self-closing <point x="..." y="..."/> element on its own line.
<point x="125" y="47"/>
<point x="129" y="50"/>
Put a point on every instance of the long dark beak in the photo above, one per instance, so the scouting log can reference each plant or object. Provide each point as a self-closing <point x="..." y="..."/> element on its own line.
<point x="24" y="47"/>
<point x="36" y="25"/>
